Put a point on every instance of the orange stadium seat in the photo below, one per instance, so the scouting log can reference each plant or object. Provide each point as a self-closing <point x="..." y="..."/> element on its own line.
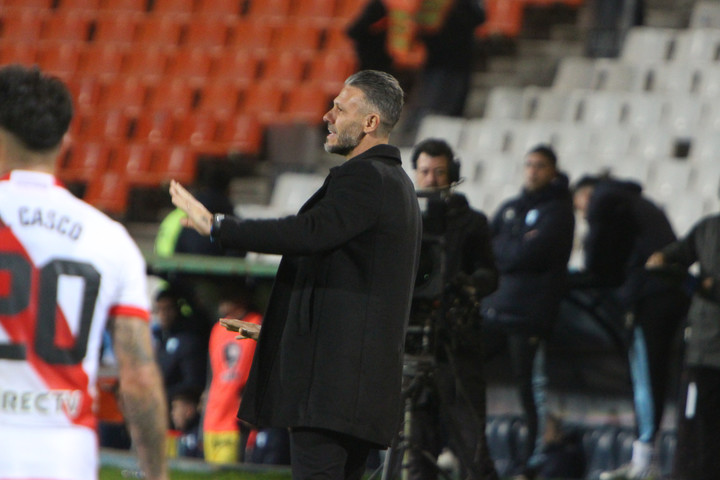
<point x="29" y="4"/>
<point x="221" y="96"/>
<point x="111" y="126"/>
<point x="504" y="17"/>
<point x="164" y="29"/>
<point x="196" y="131"/>
<point x="191" y="63"/>
<point x="108" y="192"/>
<point x="221" y="7"/>
<point x="348" y="10"/>
<point x="175" y="94"/>
<point x="306" y="103"/>
<point x="176" y="162"/>
<point x="61" y="59"/>
<point x="129" y="93"/>
<point x="269" y="8"/>
<point x="79" y="4"/>
<point x="207" y="31"/>
<point x="154" y="127"/>
<point x="103" y="60"/>
<point x="285" y="67"/>
<point x="149" y="62"/>
<point x="117" y="5"/>
<point x="85" y="92"/>
<point x="84" y="161"/>
<point x="316" y="10"/>
<point x="173" y="6"/>
<point x="252" y="35"/>
<point x="242" y="134"/>
<point x="23" y="24"/>
<point x="117" y="27"/>
<point x="67" y="26"/>
<point x="337" y="40"/>
<point x="237" y="64"/>
<point x="133" y="161"/>
<point x="264" y="100"/>
<point x="330" y="69"/>
<point x="297" y="36"/>
<point x="11" y="51"/>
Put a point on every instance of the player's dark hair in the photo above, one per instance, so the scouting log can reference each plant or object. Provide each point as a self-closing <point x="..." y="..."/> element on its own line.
<point x="35" y="108"/>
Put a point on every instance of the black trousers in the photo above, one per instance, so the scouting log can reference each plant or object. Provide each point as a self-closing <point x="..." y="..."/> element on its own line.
<point x="319" y="454"/>
<point x="697" y="455"/>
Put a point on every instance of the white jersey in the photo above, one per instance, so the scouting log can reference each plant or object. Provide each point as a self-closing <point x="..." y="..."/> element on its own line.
<point x="65" y="267"/>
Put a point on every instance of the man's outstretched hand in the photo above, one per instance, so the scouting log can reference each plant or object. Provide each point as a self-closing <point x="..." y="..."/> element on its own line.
<point x="198" y="217"/>
<point x="245" y="329"/>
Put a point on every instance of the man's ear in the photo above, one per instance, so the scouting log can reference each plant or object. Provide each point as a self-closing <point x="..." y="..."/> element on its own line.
<point x="372" y="122"/>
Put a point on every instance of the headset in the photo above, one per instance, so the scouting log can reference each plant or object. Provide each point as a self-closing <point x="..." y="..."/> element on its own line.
<point x="436" y="147"/>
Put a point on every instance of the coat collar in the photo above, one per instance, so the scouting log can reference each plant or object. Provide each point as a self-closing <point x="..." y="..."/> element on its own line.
<point x="382" y="152"/>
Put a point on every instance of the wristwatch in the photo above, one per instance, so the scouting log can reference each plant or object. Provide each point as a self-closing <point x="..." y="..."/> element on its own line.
<point x="215" y="227"/>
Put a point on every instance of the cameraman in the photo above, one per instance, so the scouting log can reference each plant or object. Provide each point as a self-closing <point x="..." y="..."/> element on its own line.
<point x="455" y="401"/>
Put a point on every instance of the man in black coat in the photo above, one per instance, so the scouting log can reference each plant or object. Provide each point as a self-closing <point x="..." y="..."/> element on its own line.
<point x="329" y="359"/>
<point x="532" y="236"/>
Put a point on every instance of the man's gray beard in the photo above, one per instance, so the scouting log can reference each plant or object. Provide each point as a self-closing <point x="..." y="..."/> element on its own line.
<point x="345" y="144"/>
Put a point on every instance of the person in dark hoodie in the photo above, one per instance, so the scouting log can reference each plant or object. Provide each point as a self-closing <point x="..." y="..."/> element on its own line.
<point x="532" y="237"/>
<point x="624" y="229"/>
<point x="455" y="400"/>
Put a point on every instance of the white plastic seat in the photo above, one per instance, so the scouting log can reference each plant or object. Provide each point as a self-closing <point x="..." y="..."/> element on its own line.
<point x="574" y="72"/>
<point x="482" y="136"/>
<point x="443" y="127"/>
<point x="614" y="75"/>
<point x="648" y="45"/>
<point x="685" y="115"/>
<point x="597" y="108"/>
<point x="674" y="78"/>
<point x="504" y="103"/>
<point x="632" y="168"/>
<point x="290" y="192"/>
<point x="654" y="143"/>
<point x="697" y="45"/>
<point x="644" y="110"/>
<point x="534" y="134"/>
<point x="544" y="104"/>
<point x="671" y="177"/>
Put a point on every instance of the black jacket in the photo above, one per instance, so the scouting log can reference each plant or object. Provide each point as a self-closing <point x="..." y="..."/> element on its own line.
<point x="532" y="240"/>
<point x="624" y="228"/>
<point x="330" y="352"/>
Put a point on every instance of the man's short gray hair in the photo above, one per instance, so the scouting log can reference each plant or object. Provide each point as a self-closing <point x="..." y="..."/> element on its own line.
<point x="383" y="92"/>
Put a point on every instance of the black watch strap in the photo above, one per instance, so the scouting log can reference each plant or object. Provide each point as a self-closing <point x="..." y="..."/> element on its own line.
<point x="215" y="227"/>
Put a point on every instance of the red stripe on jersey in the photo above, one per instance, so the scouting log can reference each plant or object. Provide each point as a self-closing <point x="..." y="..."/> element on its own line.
<point x="130" y="312"/>
<point x="21" y="327"/>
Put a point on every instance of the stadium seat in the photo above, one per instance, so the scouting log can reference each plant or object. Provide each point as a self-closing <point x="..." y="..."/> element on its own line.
<point x="30" y="4"/>
<point x="149" y="62"/>
<point x="67" y="26"/>
<point x="644" y="110"/>
<point x="330" y="69"/>
<point x="78" y="5"/>
<point x="480" y="136"/>
<point x="504" y="18"/>
<point x="252" y="35"/>
<point x="102" y="60"/>
<point x="306" y="103"/>
<point x="84" y="161"/>
<point x="236" y="64"/>
<point x="108" y="192"/>
<point x="175" y="94"/>
<point x="23" y="25"/>
<point x="221" y="96"/>
<point x="176" y="162"/>
<point x="269" y="8"/>
<point x="297" y="36"/>
<point x="439" y="126"/>
<point x="61" y="59"/>
<point x="544" y="104"/>
<point x="24" y="52"/>
<point x="648" y="45"/>
<point x="264" y="100"/>
<point x="284" y="67"/>
<point x="112" y="126"/>
<point x="85" y="92"/>
<point x="132" y="161"/>
<point x="207" y="31"/>
<point x="191" y="63"/>
<point x="318" y="11"/>
<point x="574" y="72"/>
<point x="155" y="127"/>
<point x="504" y="103"/>
<point x="241" y="134"/>
<point x="613" y="75"/>
<point x="336" y="40"/>
<point x="219" y="7"/>
<point x="118" y="5"/>
<point x="196" y="131"/>
<point x="161" y="29"/>
<point x="117" y="27"/>
<point x="129" y="93"/>
<point x="173" y="6"/>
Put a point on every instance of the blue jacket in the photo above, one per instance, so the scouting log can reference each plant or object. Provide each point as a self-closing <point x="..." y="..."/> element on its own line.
<point x="532" y="240"/>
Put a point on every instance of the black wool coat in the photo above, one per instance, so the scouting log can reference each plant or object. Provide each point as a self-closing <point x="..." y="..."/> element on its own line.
<point x="331" y="347"/>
